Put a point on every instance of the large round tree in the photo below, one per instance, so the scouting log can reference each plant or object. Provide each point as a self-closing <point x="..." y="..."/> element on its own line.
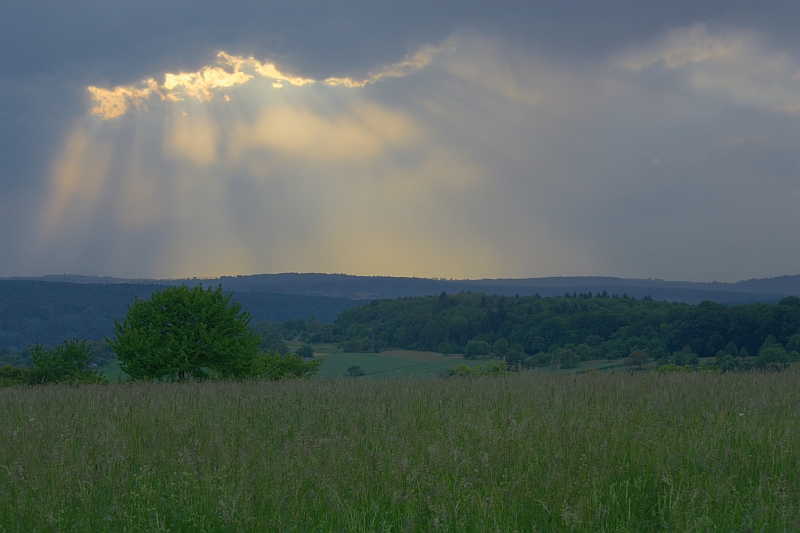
<point x="182" y="332"/>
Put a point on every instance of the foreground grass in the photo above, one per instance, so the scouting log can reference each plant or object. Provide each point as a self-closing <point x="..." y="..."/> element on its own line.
<point x="608" y="452"/>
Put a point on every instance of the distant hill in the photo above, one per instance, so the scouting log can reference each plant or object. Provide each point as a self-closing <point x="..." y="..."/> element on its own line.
<point x="606" y="327"/>
<point x="53" y="308"/>
<point x="768" y="290"/>
<point x="50" y="312"/>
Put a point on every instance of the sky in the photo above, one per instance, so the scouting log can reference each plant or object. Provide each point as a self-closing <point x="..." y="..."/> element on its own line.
<point x="450" y="139"/>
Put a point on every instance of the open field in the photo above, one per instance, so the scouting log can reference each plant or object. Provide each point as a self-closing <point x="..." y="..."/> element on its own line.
<point x="392" y="364"/>
<point x="579" y="453"/>
<point x="384" y="365"/>
<point x="410" y="363"/>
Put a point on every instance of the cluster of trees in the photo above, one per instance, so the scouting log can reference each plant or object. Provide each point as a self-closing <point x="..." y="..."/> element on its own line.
<point x="532" y="330"/>
<point x="100" y="354"/>
<point x="51" y="312"/>
<point x="67" y="363"/>
<point x="177" y="334"/>
<point x="274" y="334"/>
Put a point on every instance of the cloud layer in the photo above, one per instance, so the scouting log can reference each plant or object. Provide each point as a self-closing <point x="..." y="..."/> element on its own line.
<point x="671" y="156"/>
<point x="229" y="72"/>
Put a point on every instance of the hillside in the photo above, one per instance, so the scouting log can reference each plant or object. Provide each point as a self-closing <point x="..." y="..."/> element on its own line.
<point x="592" y="326"/>
<point x="52" y="312"/>
<point x="371" y="287"/>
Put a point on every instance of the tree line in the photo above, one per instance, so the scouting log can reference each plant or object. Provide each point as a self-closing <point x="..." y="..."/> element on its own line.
<point x="533" y="330"/>
<point x="51" y="312"/>
<point x="179" y="333"/>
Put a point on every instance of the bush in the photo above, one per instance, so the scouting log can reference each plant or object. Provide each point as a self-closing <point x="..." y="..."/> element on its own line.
<point x="275" y="366"/>
<point x="672" y="368"/>
<point x="355" y="371"/>
<point x="446" y="348"/>
<point x="12" y="375"/>
<point x="477" y="349"/>
<point x="305" y="351"/>
<point x="279" y="347"/>
<point x="66" y="363"/>
<point x="638" y="358"/>
<point x="566" y="358"/>
<point x="500" y="348"/>
<point x="772" y="355"/>
<point x="793" y="344"/>
<point x="355" y="345"/>
<point x="585" y="352"/>
<point x="492" y="368"/>
<point x="515" y="357"/>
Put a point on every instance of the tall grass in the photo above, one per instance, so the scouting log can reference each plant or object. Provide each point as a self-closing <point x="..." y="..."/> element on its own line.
<point x="692" y="452"/>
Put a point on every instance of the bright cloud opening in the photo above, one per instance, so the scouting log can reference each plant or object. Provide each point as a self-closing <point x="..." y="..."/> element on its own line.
<point x="231" y="71"/>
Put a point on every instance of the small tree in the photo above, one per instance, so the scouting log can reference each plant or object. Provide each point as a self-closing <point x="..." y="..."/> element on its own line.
<point x="477" y="349"/>
<point x="566" y="358"/>
<point x="772" y="354"/>
<point x="355" y="371"/>
<point x="793" y="345"/>
<point x="500" y="348"/>
<point x="305" y="351"/>
<point x="638" y="358"/>
<point x="66" y="363"/>
<point x="275" y="366"/>
<point x="584" y="351"/>
<point x="182" y="332"/>
<point x="515" y="356"/>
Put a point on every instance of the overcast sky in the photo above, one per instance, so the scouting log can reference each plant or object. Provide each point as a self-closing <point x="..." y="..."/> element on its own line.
<point x="430" y="139"/>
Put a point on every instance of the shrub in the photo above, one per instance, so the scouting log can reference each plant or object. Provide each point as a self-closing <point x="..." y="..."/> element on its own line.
<point x="66" y="363"/>
<point x="275" y="366"/>
<point x="638" y="358"/>
<point x="516" y="356"/>
<point x="567" y="358"/>
<point x="772" y="355"/>
<point x="305" y="351"/>
<point x="477" y="349"/>
<point x="355" y="371"/>
<point x="671" y="368"/>
<point x="500" y="348"/>
<point x="492" y="368"/>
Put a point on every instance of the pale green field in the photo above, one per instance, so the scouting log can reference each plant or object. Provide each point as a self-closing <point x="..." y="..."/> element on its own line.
<point x="393" y="364"/>
<point x="388" y="364"/>
<point x="599" y="452"/>
<point x="385" y="364"/>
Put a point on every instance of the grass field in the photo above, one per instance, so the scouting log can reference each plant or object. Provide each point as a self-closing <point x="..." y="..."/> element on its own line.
<point x="404" y="363"/>
<point x="601" y="452"/>
<point x="392" y="364"/>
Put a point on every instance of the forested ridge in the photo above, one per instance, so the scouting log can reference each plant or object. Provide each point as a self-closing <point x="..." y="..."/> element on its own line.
<point x="592" y="326"/>
<point x="767" y="290"/>
<point x="50" y="312"/>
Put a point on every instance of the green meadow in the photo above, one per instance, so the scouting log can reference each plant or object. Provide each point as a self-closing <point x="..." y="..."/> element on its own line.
<point x="596" y="452"/>
<point x="392" y="364"/>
